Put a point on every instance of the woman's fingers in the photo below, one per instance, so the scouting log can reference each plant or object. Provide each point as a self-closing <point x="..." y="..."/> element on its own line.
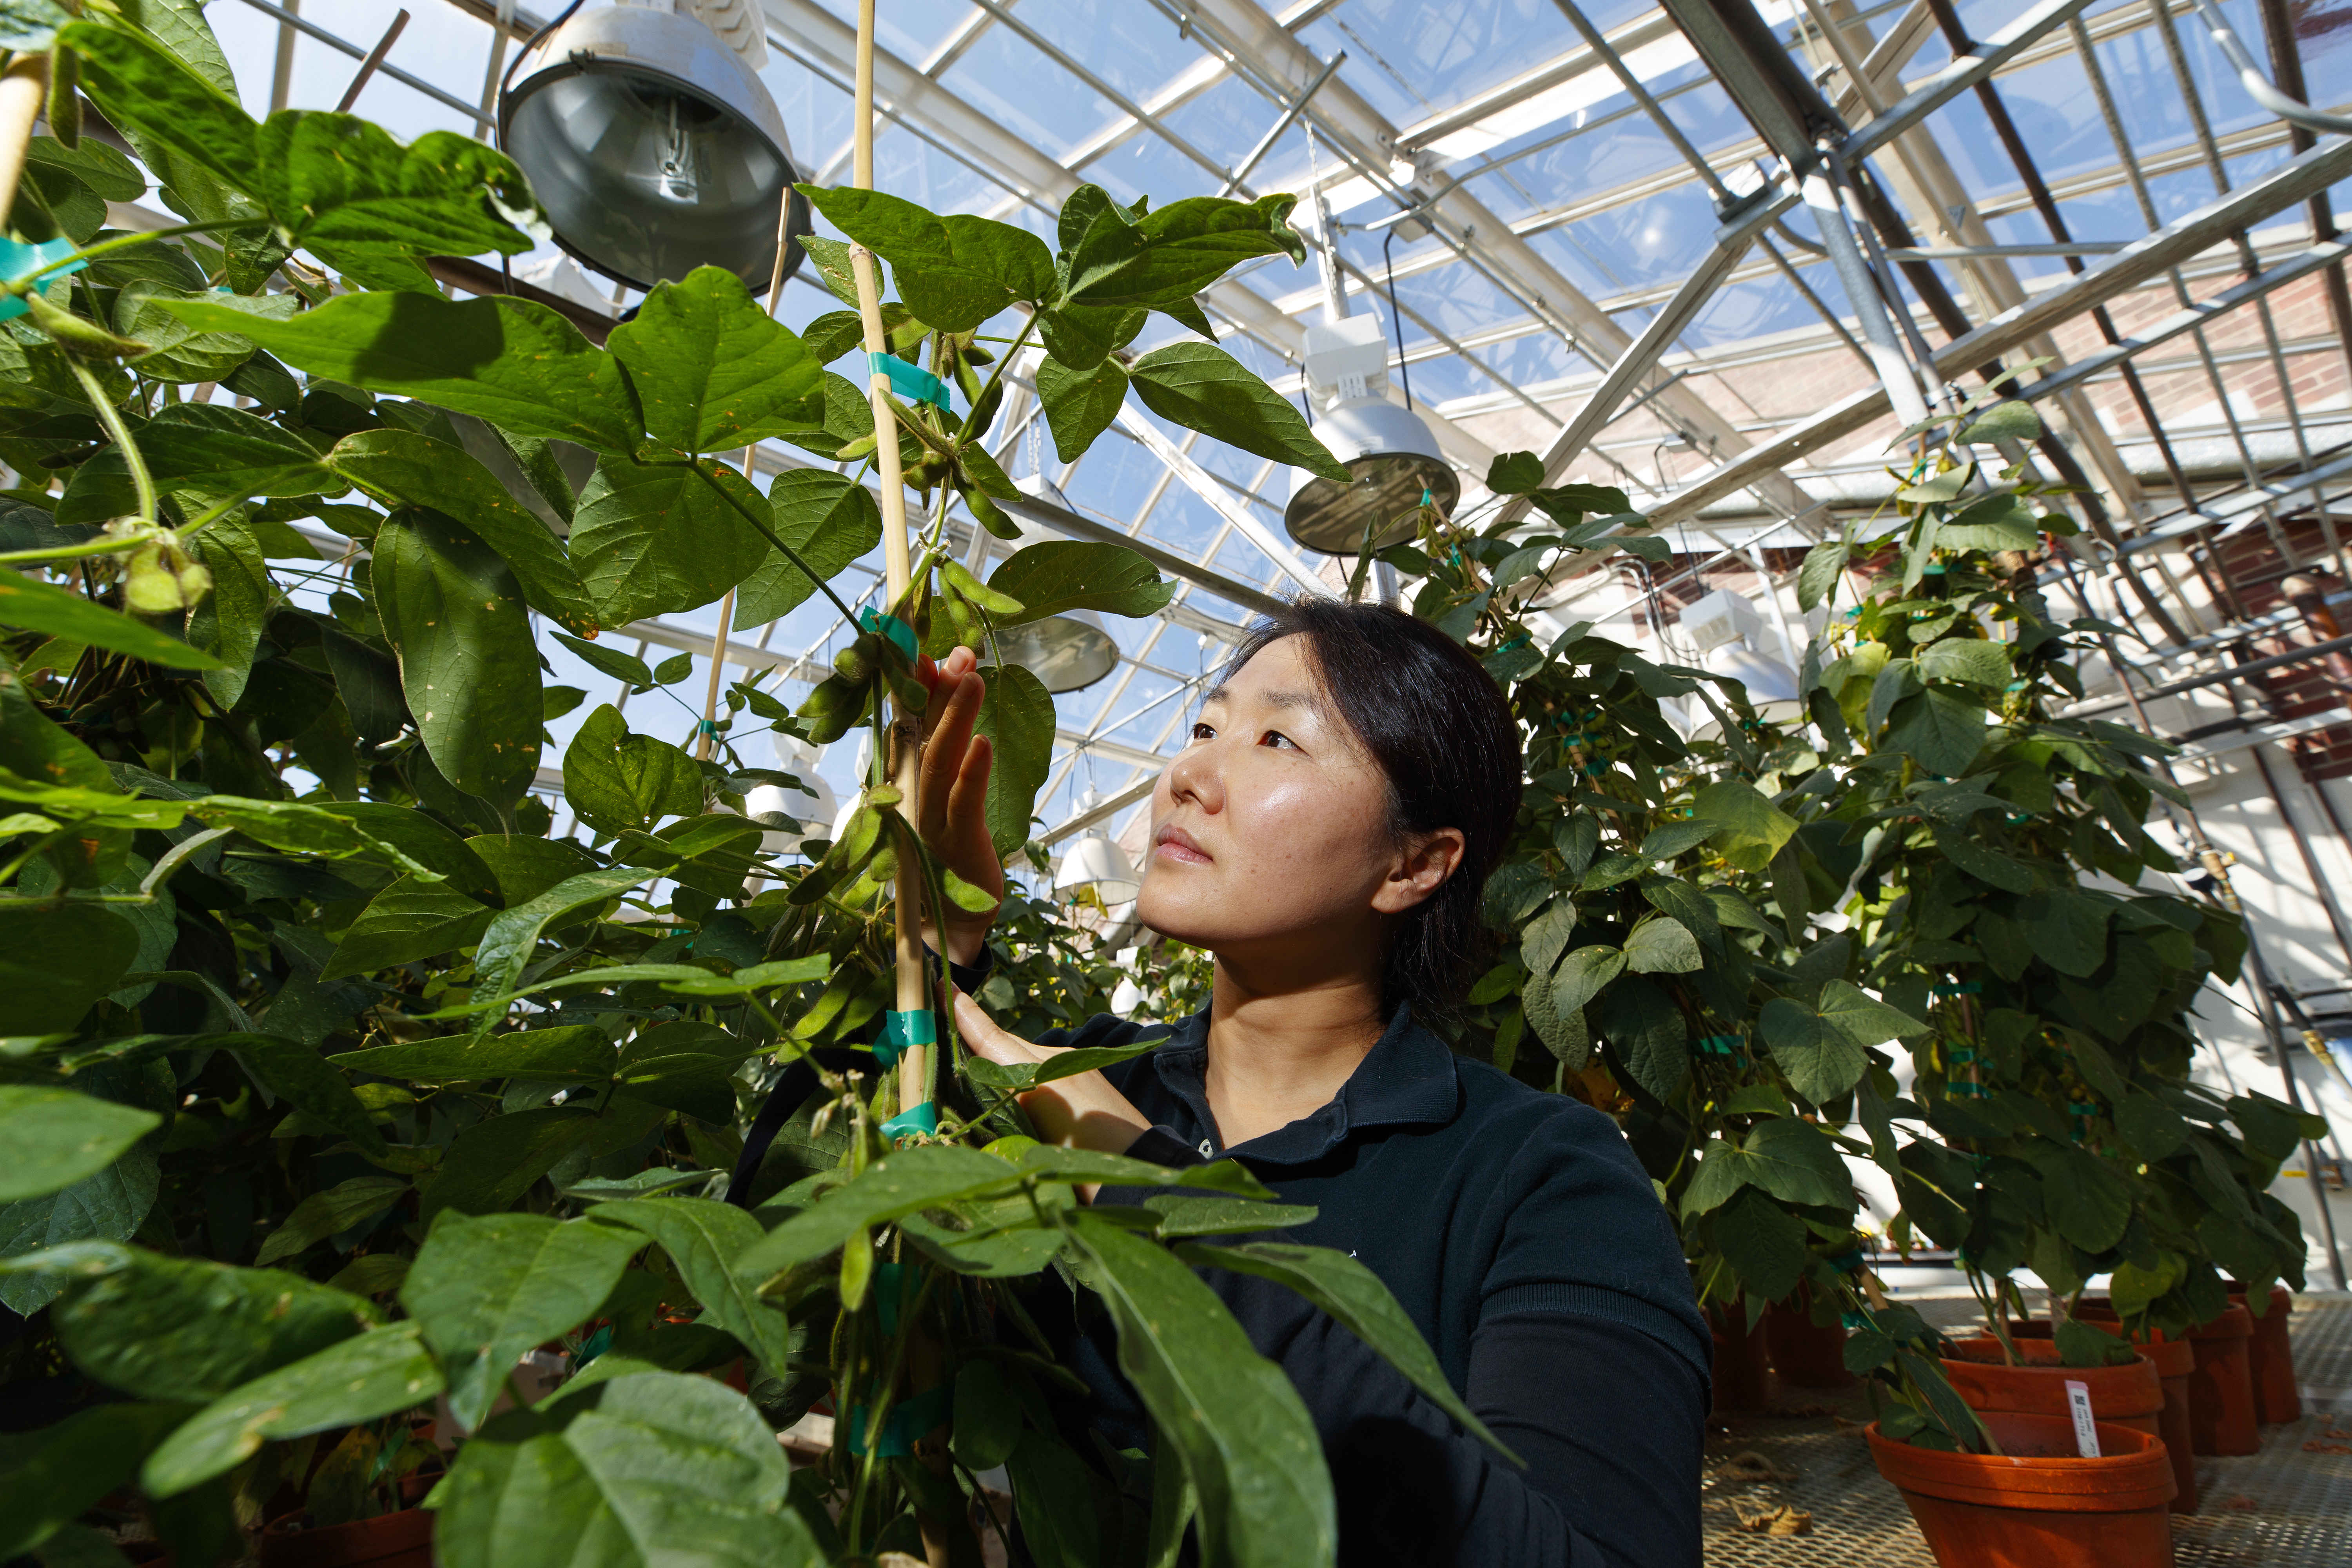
<point x="980" y="1032"/>
<point x="942" y="680"/>
<point x="943" y="754"/>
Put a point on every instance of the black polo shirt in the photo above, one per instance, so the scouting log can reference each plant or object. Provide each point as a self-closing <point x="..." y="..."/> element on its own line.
<point x="1523" y="1240"/>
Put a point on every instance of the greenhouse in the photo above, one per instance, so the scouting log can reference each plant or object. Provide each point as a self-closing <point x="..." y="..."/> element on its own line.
<point x="1577" y="789"/>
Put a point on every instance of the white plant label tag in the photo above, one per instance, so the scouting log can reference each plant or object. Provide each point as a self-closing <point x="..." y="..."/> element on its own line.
<point x="2086" y="1431"/>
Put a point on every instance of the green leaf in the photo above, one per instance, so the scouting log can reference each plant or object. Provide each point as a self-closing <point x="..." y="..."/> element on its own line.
<point x="299" y="1074"/>
<point x="1515" y="473"/>
<point x="901" y="1183"/>
<point x="56" y="1138"/>
<point x="643" y="1470"/>
<point x="1749" y="829"/>
<point x="1017" y="717"/>
<point x="175" y="353"/>
<point x="1183" y="1215"/>
<point x="1203" y="388"/>
<point x="954" y="273"/>
<point x="825" y="519"/>
<point x="1080" y="405"/>
<point x="1818" y="578"/>
<point x="713" y="370"/>
<point x="188" y="1329"/>
<point x="495" y="1161"/>
<point x="2011" y="419"/>
<point x="1247" y="1442"/>
<point x="31" y="604"/>
<point x="514" y="932"/>
<point x="56" y="962"/>
<point x="1062" y="1164"/>
<point x="1582" y="975"/>
<point x="1821" y="1062"/>
<point x="2090" y="1201"/>
<point x="2067" y="930"/>
<point x="1662" y="945"/>
<point x="1162" y="259"/>
<point x="1764" y="1244"/>
<point x="31" y="27"/>
<point x="1647" y="1033"/>
<point x="214" y="449"/>
<point x="704" y="1238"/>
<point x="1965" y="850"/>
<point x="148" y="91"/>
<point x="1796" y="1163"/>
<point x="371" y="1374"/>
<point x="336" y="180"/>
<point x="456" y="618"/>
<point x="487" y="1290"/>
<point x="1941" y="732"/>
<point x="330" y="1210"/>
<point x="517" y="364"/>
<point x="576" y="1051"/>
<point x="407" y="921"/>
<point x="987" y="1417"/>
<point x="69" y="1467"/>
<point x="1972" y="661"/>
<point x="1361" y="1303"/>
<point x="618" y="781"/>
<point x="1060" y="575"/>
<point x="398" y="467"/>
<point x="652" y="540"/>
<point x="107" y="1206"/>
<point x="1993" y="522"/>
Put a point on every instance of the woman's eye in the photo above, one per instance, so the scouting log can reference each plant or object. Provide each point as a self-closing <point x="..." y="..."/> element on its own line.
<point x="1203" y="733"/>
<point x="1277" y="738"/>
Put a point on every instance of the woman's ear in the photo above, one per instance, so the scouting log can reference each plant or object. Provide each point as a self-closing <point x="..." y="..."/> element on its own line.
<point x="1421" y="869"/>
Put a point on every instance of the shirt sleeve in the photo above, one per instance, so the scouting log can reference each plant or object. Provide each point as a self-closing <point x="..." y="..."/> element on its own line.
<point x="1609" y="1421"/>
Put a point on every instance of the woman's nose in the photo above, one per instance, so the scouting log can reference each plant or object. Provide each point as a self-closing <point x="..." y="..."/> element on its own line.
<point x="1193" y="776"/>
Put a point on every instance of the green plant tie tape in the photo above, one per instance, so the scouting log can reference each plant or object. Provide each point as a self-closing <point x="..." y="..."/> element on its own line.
<point x="900" y="1030"/>
<point x="891" y="626"/>
<point x="923" y="1118"/>
<point x="893" y="1283"/>
<point x="706" y="726"/>
<point x="1847" y="1263"/>
<point x="910" y="381"/>
<point x="908" y="1419"/>
<point x="18" y="262"/>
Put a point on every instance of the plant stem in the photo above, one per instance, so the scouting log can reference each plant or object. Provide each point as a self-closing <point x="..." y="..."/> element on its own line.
<point x="22" y="89"/>
<point x="111" y="417"/>
<point x="105" y="247"/>
<point x="788" y="552"/>
<point x="996" y="373"/>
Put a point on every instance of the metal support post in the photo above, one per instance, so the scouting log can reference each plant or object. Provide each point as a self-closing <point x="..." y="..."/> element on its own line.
<point x="1878" y="340"/>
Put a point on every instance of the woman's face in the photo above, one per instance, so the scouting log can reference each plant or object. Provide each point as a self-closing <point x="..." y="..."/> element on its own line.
<point x="1270" y="830"/>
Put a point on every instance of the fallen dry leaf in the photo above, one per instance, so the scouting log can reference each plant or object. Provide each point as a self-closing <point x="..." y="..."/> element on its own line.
<point x="1747" y="1465"/>
<point x="2240" y="1503"/>
<point x="2318" y="1447"/>
<point x="1780" y="1520"/>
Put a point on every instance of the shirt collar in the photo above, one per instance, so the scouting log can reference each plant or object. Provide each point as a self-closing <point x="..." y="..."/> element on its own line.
<point x="1406" y="1079"/>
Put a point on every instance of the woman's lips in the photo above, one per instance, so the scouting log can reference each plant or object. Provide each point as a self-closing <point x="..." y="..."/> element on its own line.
<point x="1172" y="843"/>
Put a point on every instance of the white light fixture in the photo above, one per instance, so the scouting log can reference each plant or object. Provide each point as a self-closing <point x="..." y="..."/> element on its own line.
<point x="1094" y="862"/>
<point x="649" y="140"/>
<point x="1731" y="637"/>
<point x="1065" y="653"/>
<point x="811" y="806"/>
<point x="1392" y="460"/>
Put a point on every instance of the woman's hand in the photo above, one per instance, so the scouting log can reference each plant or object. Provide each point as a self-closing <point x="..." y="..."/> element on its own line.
<point x="1082" y="1112"/>
<point x="953" y="815"/>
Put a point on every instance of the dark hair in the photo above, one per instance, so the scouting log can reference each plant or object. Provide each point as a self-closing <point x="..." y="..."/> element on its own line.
<point x="1442" y="732"/>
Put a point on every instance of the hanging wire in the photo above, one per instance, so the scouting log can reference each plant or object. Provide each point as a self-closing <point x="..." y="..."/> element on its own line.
<point x="1396" y="320"/>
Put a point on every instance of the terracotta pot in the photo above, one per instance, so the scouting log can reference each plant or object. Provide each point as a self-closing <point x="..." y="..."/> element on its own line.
<point x="1804" y="1352"/>
<point x="2175" y="1362"/>
<point x="2272" y="1357"/>
<point x="2038" y="1504"/>
<point x="403" y="1540"/>
<point x="1739" y="1382"/>
<point x="2222" y="1390"/>
<point x="2129" y="1396"/>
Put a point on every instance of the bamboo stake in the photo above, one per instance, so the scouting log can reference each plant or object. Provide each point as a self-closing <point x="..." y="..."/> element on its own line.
<point x="905" y="759"/>
<point x="24" y="88"/>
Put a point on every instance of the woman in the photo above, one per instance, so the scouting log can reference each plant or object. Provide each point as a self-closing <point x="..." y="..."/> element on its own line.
<point x="1326" y="834"/>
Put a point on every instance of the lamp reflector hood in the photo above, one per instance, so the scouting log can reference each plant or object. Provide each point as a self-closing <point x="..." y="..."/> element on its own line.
<point x="653" y="148"/>
<point x="1392" y="459"/>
